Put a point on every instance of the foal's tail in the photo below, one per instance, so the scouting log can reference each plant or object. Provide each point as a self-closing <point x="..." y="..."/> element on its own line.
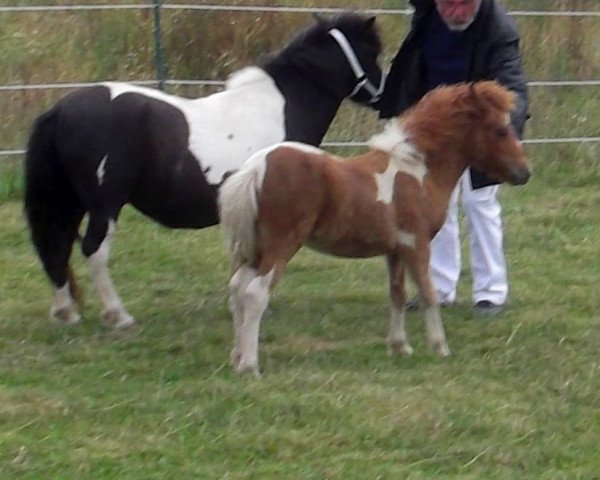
<point x="238" y="208"/>
<point x="51" y="206"/>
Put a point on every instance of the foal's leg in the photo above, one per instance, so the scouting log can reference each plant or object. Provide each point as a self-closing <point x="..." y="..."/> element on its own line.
<point x="397" y="339"/>
<point x="96" y="247"/>
<point x="237" y="286"/>
<point x="253" y="300"/>
<point x="418" y="263"/>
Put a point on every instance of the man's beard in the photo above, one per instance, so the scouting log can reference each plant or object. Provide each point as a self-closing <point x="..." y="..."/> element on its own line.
<point x="460" y="27"/>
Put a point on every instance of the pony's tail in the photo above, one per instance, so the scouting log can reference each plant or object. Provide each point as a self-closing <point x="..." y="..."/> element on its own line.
<point x="52" y="209"/>
<point x="238" y="209"/>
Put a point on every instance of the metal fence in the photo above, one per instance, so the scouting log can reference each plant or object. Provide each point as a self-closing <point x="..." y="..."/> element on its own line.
<point x="157" y="6"/>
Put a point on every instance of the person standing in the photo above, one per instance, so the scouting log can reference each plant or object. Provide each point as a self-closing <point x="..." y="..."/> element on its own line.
<point x="453" y="41"/>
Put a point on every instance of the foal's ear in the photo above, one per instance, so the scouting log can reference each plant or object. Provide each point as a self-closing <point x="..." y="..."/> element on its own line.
<point x="473" y="92"/>
<point x="474" y="101"/>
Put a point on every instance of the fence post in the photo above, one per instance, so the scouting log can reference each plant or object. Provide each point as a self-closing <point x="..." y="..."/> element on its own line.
<point x="159" y="60"/>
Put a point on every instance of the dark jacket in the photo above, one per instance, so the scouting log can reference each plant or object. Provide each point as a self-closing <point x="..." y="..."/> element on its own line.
<point x="495" y="56"/>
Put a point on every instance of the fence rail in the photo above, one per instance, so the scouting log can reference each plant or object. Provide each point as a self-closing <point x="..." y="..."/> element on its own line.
<point x="266" y="9"/>
<point x="220" y="83"/>
<point x="158" y="5"/>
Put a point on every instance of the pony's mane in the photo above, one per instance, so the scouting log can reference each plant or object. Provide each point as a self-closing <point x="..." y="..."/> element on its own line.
<point x="245" y="76"/>
<point x="352" y="24"/>
<point x="447" y="112"/>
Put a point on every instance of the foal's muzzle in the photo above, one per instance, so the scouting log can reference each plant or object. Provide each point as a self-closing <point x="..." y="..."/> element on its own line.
<point x="520" y="175"/>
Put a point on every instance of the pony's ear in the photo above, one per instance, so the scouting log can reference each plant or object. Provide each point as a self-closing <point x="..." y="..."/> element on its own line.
<point x="318" y="18"/>
<point x="370" y="22"/>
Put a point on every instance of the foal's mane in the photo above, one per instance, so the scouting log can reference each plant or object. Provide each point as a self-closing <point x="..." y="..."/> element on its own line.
<point x="447" y="114"/>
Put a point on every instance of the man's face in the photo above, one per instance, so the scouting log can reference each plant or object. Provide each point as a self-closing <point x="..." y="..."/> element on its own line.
<point x="458" y="15"/>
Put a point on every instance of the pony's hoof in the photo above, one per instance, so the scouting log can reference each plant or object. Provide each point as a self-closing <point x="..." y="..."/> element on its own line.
<point x="399" y="347"/>
<point x="65" y="316"/>
<point x="117" y="319"/>
<point x="444" y="351"/>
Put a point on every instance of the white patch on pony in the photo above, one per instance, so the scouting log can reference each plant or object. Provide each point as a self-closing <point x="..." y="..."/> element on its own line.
<point x="385" y="184"/>
<point x="100" y="171"/>
<point x="223" y="128"/>
<point x="404" y="157"/>
<point x="407" y="239"/>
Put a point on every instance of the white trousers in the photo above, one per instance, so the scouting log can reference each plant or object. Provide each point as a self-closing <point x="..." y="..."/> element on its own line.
<point x="488" y="264"/>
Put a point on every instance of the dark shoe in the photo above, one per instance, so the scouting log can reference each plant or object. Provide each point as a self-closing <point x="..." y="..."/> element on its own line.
<point x="415" y="303"/>
<point x="485" y="308"/>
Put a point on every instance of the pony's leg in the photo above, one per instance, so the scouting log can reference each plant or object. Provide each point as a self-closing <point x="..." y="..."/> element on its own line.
<point x="53" y="234"/>
<point x="418" y="263"/>
<point x="237" y="285"/>
<point x="96" y="247"/>
<point x="63" y="309"/>
<point x="397" y="339"/>
<point x="254" y="300"/>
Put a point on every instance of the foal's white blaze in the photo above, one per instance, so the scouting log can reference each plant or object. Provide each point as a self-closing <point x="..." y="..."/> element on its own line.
<point x="227" y="127"/>
<point x="112" y="308"/>
<point x="100" y="171"/>
<point x="407" y="239"/>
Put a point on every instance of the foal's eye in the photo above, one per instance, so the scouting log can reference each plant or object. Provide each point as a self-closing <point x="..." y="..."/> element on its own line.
<point x="502" y="132"/>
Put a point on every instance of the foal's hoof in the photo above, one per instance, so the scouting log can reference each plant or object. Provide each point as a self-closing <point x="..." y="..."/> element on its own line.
<point x="117" y="319"/>
<point x="65" y="316"/>
<point x="243" y="367"/>
<point x="399" y="347"/>
<point x="441" y="349"/>
<point x="234" y="358"/>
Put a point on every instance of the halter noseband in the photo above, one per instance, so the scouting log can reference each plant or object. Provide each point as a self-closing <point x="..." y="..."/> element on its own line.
<point x="359" y="72"/>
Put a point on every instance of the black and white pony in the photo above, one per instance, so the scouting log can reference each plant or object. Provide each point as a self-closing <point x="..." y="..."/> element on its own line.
<point x="110" y="144"/>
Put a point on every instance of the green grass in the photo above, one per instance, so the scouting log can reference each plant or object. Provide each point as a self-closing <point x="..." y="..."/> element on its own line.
<point x="102" y="45"/>
<point x="517" y="399"/>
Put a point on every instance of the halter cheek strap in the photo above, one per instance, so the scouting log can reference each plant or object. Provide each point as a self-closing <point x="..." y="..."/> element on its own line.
<point x="359" y="72"/>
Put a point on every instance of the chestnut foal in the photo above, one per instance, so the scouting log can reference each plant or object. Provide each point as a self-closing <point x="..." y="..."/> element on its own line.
<point x="390" y="201"/>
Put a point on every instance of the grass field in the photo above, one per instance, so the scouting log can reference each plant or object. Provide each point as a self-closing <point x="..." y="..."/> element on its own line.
<point x="518" y="399"/>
